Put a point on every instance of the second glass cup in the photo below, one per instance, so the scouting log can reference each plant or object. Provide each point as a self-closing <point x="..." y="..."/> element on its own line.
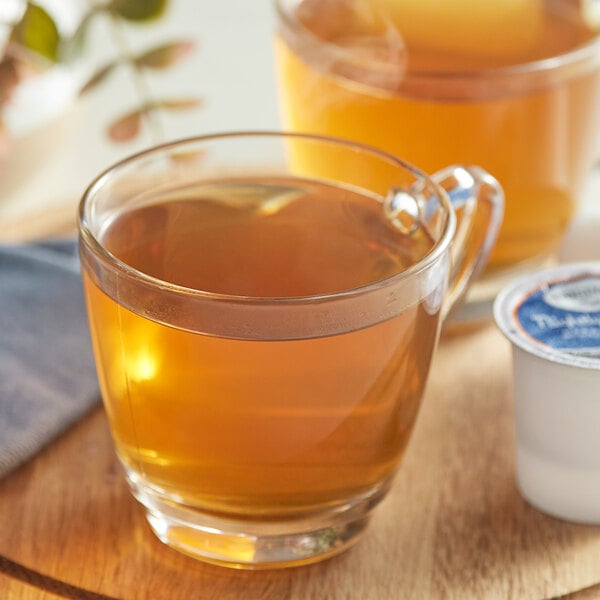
<point x="512" y="88"/>
<point x="263" y="323"/>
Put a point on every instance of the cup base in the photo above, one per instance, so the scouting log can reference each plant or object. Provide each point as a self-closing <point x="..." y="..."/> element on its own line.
<point x="255" y="544"/>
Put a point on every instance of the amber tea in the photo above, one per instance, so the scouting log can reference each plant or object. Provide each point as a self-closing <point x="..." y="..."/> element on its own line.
<point x="250" y="425"/>
<point x="263" y="330"/>
<point x="511" y="86"/>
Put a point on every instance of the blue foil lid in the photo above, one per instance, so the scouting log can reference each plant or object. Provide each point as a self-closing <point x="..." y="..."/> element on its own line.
<point x="555" y="314"/>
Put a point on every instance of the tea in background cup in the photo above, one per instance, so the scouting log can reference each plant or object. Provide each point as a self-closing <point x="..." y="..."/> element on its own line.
<point x="263" y="327"/>
<point x="511" y="86"/>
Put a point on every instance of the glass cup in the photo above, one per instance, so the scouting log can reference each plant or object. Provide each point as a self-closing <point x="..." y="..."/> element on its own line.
<point x="263" y="325"/>
<point x="513" y="88"/>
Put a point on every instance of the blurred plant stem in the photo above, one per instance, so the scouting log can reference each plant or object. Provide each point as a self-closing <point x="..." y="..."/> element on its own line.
<point x="35" y="44"/>
<point x="151" y="117"/>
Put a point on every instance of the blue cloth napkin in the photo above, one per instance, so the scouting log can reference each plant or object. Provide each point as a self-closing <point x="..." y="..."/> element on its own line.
<point x="47" y="375"/>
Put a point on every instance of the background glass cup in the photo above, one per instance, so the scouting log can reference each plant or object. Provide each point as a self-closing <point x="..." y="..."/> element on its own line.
<point x="512" y="87"/>
<point x="263" y="326"/>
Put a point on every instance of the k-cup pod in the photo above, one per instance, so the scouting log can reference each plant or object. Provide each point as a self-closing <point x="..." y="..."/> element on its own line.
<point x="552" y="319"/>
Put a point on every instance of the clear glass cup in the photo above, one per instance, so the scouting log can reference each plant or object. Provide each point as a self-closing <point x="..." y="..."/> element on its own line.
<point x="512" y="88"/>
<point x="263" y="325"/>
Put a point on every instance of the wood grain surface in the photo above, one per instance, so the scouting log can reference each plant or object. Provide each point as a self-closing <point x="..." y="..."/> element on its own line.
<point x="454" y="525"/>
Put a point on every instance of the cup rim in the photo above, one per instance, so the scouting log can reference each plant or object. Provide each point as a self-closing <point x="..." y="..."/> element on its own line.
<point x="87" y="237"/>
<point x="551" y="63"/>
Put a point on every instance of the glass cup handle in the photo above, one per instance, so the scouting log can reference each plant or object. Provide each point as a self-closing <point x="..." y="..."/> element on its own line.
<point x="478" y="202"/>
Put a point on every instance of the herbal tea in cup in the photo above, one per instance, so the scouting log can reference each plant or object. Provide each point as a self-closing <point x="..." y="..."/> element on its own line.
<point x="263" y="327"/>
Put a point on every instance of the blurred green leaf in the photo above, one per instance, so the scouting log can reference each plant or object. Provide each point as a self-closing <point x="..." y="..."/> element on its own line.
<point x="165" y="56"/>
<point x="189" y="156"/>
<point x="180" y="104"/>
<point x="127" y="127"/>
<point x="139" y="10"/>
<point x="98" y="77"/>
<point x="37" y="31"/>
<point x="74" y="46"/>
